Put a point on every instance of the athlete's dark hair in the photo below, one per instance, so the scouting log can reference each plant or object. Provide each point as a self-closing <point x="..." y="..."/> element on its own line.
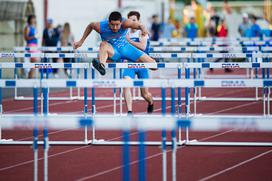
<point x="134" y="13"/>
<point x="115" y="16"/>
<point x="29" y="18"/>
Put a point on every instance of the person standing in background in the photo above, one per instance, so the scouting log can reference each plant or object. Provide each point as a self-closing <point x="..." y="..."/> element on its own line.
<point x="222" y="29"/>
<point x="67" y="39"/>
<point x="155" y="28"/>
<point x="255" y="29"/>
<point x="31" y="38"/>
<point x="51" y="38"/>
<point x="244" y="27"/>
<point x="167" y="29"/>
<point x="230" y="17"/>
<point x="212" y="21"/>
<point x="191" y="29"/>
<point x="198" y="11"/>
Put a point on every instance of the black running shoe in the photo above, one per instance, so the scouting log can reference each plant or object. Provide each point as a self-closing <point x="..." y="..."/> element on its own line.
<point x="150" y="108"/>
<point x="99" y="67"/>
<point x="129" y="113"/>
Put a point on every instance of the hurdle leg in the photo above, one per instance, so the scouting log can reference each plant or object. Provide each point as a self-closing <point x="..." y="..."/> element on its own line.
<point x="164" y="139"/>
<point x="41" y="92"/>
<point x="126" y="156"/>
<point x="179" y="105"/>
<point x="121" y="100"/>
<point x="45" y="135"/>
<point x="35" y="133"/>
<point x="93" y="105"/>
<point x="77" y="75"/>
<point x="195" y="90"/>
<point x="121" y="94"/>
<point x="15" y="89"/>
<point x="174" y="156"/>
<point x="114" y="93"/>
<point x="35" y="148"/>
<point x="141" y="169"/>
<point x="187" y="102"/>
<point x="1" y="105"/>
<point x="264" y="101"/>
<point x="173" y="134"/>
<point x="268" y="102"/>
<point x="85" y="107"/>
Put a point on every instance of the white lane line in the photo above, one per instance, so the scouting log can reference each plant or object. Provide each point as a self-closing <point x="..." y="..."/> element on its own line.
<point x="67" y="151"/>
<point x="236" y="165"/>
<point x="23" y="163"/>
<point x="231" y="108"/>
<point x="147" y="158"/>
<point x="57" y="154"/>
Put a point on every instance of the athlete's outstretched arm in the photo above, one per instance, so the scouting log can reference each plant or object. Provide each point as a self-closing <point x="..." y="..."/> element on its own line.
<point x="140" y="45"/>
<point x="92" y="26"/>
<point x="135" y="25"/>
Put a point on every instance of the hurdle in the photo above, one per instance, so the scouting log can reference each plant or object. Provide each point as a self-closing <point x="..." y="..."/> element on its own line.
<point x="164" y="55"/>
<point x="179" y="66"/>
<point x="155" y="55"/>
<point x="203" y="43"/>
<point x="152" y="49"/>
<point x="142" y="125"/>
<point x="175" y="83"/>
<point x="156" y="49"/>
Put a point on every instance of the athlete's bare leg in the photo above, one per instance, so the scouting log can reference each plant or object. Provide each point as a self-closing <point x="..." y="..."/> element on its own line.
<point x="148" y="97"/>
<point x="128" y="97"/>
<point x="105" y="51"/>
<point x="147" y="59"/>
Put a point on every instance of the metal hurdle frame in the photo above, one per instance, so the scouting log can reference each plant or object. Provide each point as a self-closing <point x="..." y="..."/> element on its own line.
<point x="145" y="124"/>
<point x="178" y="66"/>
<point x="154" y="49"/>
<point x="176" y="83"/>
<point x="48" y="65"/>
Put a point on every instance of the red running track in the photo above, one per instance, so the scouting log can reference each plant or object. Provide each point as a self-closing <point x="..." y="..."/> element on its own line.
<point x="104" y="162"/>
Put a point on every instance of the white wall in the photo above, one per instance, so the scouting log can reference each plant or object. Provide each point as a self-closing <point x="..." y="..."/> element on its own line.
<point x="80" y="13"/>
<point x="38" y="5"/>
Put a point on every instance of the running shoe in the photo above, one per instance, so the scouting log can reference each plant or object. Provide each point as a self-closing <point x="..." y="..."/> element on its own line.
<point x="99" y="67"/>
<point x="150" y="108"/>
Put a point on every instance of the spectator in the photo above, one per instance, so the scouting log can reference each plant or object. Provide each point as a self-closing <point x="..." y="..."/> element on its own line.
<point x="155" y="28"/>
<point x="255" y="29"/>
<point x="67" y="39"/>
<point x="222" y="30"/>
<point x="212" y="21"/>
<point x="198" y="12"/>
<point x="191" y="29"/>
<point x="230" y="17"/>
<point x="31" y="38"/>
<point x="244" y="27"/>
<point x="51" y="38"/>
<point x="167" y="30"/>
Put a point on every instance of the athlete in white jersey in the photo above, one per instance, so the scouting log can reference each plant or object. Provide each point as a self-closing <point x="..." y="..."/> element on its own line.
<point x="141" y="42"/>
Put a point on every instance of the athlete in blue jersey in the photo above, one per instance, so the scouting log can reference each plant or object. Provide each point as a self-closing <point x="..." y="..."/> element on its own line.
<point x="140" y="41"/>
<point x="114" y="45"/>
<point x="31" y="38"/>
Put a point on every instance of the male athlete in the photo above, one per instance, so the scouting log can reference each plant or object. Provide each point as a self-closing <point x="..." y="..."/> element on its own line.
<point x="114" y="44"/>
<point x="137" y="39"/>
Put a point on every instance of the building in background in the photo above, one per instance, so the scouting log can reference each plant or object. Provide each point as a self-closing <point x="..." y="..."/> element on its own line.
<point x="13" y="16"/>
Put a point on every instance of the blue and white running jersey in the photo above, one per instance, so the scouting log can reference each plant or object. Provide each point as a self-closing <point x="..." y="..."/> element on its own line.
<point x="117" y="39"/>
<point x="135" y="36"/>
